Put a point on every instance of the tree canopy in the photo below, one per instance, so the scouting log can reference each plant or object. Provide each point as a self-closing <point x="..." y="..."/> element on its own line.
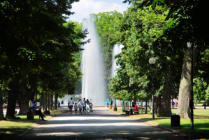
<point x="39" y="49"/>
<point x="159" y="29"/>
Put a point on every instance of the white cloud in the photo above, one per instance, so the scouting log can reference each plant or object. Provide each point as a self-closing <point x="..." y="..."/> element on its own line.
<point x="84" y="8"/>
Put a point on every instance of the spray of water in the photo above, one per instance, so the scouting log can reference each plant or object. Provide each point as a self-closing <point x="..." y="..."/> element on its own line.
<point x="116" y="50"/>
<point x="93" y="83"/>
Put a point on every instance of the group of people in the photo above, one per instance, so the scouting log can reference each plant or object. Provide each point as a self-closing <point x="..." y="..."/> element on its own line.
<point x="82" y="105"/>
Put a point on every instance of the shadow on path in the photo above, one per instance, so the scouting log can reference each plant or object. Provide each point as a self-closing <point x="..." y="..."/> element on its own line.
<point x="97" y="125"/>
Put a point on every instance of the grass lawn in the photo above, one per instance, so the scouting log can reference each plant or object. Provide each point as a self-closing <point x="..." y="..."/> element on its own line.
<point x="14" y="127"/>
<point x="201" y="122"/>
<point x="201" y="126"/>
<point x="119" y="110"/>
<point x="18" y="126"/>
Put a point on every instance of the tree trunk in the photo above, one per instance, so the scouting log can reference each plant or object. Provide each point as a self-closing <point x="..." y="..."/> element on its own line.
<point x="11" y="105"/>
<point x="56" y="101"/>
<point x="24" y="105"/>
<point x="45" y="102"/>
<point x="146" y="107"/>
<point x="51" y="102"/>
<point x="24" y="102"/>
<point x="1" y="106"/>
<point x="12" y="94"/>
<point x="164" y="108"/>
<point x="184" y="88"/>
<point x="156" y="104"/>
<point x="42" y="101"/>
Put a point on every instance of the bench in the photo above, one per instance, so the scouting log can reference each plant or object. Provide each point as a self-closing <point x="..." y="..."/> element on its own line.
<point x="141" y="108"/>
<point x="131" y="111"/>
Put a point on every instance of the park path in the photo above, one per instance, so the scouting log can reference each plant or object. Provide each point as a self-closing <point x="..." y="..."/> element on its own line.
<point x="100" y="124"/>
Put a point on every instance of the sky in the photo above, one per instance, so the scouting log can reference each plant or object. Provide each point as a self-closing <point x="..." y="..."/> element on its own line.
<point x="84" y="8"/>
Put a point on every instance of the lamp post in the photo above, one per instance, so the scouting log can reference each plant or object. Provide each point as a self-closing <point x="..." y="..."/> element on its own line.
<point x="152" y="61"/>
<point x="191" y="103"/>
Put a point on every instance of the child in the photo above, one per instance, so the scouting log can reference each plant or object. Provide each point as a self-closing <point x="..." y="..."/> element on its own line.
<point x="91" y="107"/>
<point x="87" y="107"/>
<point x="80" y="105"/>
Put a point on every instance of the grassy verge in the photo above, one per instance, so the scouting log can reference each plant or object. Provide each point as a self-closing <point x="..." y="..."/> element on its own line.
<point x="18" y="126"/>
<point x="201" y="122"/>
<point x="201" y="126"/>
<point x="55" y="112"/>
<point x="119" y="110"/>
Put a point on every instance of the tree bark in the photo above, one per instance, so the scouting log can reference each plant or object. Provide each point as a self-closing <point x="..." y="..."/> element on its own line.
<point x="1" y="106"/>
<point x="51" y="102"/>
<point x="184" y="88"/>
<point x="24" y="105"/>
<point x="24" y="102"/>
<point x="12" y="95"/>
<point x="164" y="109"/>
<point x="45" y="102"/>
<point x="42" y="101"/>
<point x="156" y="104"/>
<point x="56" y="101"/>
<point x="146" y="107"/>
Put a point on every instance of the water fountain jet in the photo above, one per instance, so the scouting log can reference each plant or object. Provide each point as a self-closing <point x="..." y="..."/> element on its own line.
<point x="92" y="65"/>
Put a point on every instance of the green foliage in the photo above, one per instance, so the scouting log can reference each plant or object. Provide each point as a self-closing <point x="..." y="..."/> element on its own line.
<point x="205" y="56"/>
<point x="159" y="29"/>
<point x="61" y="71"/>
<point x="39" y="49"/>
<point x="200" y="89"/>
<point x="141" y="28"/>
<point x="207" y="93"/>
<point x="108" y="28"/>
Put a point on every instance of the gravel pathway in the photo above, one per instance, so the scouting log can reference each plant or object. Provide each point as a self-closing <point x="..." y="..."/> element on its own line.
<point x="100" y="125"/>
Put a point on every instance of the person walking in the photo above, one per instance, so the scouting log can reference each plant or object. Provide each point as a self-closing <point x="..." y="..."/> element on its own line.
<point x="91" y="107"/>
<point x="80" y="106"/>
<point x="107" y="103"/>
<point x="75" y="107"/>
<point x="111" y="103"/>
<point x="84" y="104"/>
<point x="70" y="104"/>
<point x="87" y="105"/>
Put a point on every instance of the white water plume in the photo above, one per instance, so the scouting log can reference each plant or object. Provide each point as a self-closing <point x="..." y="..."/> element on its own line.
<point x="93" y="83"/>
<point x="116" y="50"/>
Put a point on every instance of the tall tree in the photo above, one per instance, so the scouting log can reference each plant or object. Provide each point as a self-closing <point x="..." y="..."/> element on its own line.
<point x="33" y="34"/>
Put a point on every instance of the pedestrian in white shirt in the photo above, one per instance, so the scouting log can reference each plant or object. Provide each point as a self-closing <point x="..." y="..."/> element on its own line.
<point x="80" y="105"/>
<point x="70" y="104"/>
